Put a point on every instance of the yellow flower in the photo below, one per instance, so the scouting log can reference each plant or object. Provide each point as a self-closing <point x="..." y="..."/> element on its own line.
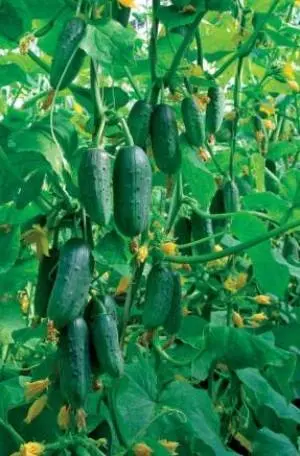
<point x="259" y="317"/>
<point x="203" y="154"/>
<point x="220" y="262"/>
<point x="169" y="248"/>
<point x="128" y="3"/>
<point x="170" y="446"/>
<point x="267" y="108"/>
<point x="81" y="419"/>
<point x="297" y="4"/>
<point x="259" y="135"/>
<point x="294" y="85"/>
<point x="264" y="300"/>
<point x="195" y="71"/>
<point x="24" y="301"/>
<point x="123" y="285"/>
<point x="288" y="71"/>
<point x="34" y="388"/>
<point x="141" y="449"/>
<point x="142" y="254"/>
<point x="234" y="283"/>
<point x="38" y="236"/>
<point x="237" y="319"/>
<point x="63" y="418"/>
<point x="78" y="108"/>
<point x="202" y="101"/>
<point x="269" y="125"/>
<point x="36" y="408"/>
<point x="31" y="449"/>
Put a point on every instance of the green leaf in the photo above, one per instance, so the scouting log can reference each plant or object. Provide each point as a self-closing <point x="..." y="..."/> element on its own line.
<point x="9" y="248"/>
<point x="11" y="73"/>
<point x="14" y="21"/>
<point x="113" y="97"/>
<point x="200" y="181"/>
<point x="271" y="276"/>
<point x="258" y="168"/>
<point x="171" y="17"/>
<point x="30" y="189"/>
<point x="19" y="275"/>
<point x="291" y="187"/>
<point x="281" y="149"/>
<point x="268" y="442"/>
<point x="275" y="206"/>
<point x="10" y="215"/>
<point x="112" y="252"/>
<point x="279" y="39"/>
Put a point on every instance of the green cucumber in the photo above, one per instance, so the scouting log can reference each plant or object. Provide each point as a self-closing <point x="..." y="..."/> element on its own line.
<point x="201" y="228"/>
<point x="194" y="122"/>
<point x="159" y="295"/>
<point x="45" y="281"/>
<point x="68" y="54"/>
<point x="231" y="197"/>
<point x="94" y="180"/>
<point x="174" y="319"/>
<point x="290" y="250"/>
<point x="217" y="206"/>
<point x="215" y="110"/>
<point x="106" y="344"/>
<point x="132" y="182"/>
<point x="74" y="363"/>
<point x="165" y="139"/>
<point x="74" y="275"/>
<point x="139" y="122"/>
<point x="244" y="184"/>
<point x="183" y="233"/>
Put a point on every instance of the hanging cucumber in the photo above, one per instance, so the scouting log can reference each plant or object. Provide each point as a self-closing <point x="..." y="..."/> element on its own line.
<point x="217" y="206"/>
<point x="194" y="122"/>
<point x="201" y="228"/>
<point x="74" y="363"/>
<point x="174" y="319"/>
<point x="132" y="182"/>
<point x="231" y="197"/>
<point x="139" y="122"/>
<point x="165" y="141"/>
<point x="159" y="295"/>
<point x="215" y="110"/>
<point x="74" y="275"/>
<point x="68" y="54"/>
<point x="45" y="282"/>
<point x="183" y="233"/>
<point x="94" y="180"/>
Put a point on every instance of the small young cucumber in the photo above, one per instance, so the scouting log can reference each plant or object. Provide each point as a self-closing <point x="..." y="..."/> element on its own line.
<point x="132" y="183"/>
<point x="174" y="318"/>
<point x="231" y="197"/>
<point x="217" y="206"/>
<point x="139" y="122"/>
<point x="95" y="185"/>
<point x="74" y="275"/>
<point x="45" y="281"/>
<point x="215" y="110"/>
<point x="194" y="122"/>
<point x="159" y="295"/>
<point x="165" y="139"/>
<point x="201" y="228"/>
<point x="183" y="233"/>
<point x="74" y="363"/>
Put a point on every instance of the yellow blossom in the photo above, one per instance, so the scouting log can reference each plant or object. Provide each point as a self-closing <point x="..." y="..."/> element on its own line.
<point x="142" y="254"/>
<point x="297" y="4"/>
<point x="186" y="311"/>
<point x="234" y="283"/>
<point x="38" y="236"/>
<point x="189" y="9"/>
<point x="169" y="248"/>
<point x="294" y="85"/>
<point x="31" y="449"/>
<point x="264" y="300"/>
<point x="267" y="108"/>
<point x="259" y="135"/>
<point x="128" y="3"/>
<point x="259" y="317"/>
<point x="195" y="71"/>
<point x="36" y="408"/>
<point x="220" y="262"/>
<point x="288" y="71"/>
<point x="78" y="108"/>
<point x="123" y="285"/>
<point x="203" y="154"/>
<point x="202" y="101"/>
<point x="64" y="418"/>
<point x="170" y="446"/>
<point x="269" y="125"/>
<point x="237" y="320"/>
<point x="24" y="301"/>
<point x="81" y="419"/>
<point x="141" y="449"/>
<point x="34" y="388"/>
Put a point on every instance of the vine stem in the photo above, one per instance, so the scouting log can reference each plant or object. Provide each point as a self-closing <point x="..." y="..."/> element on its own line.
<point x="132" y="82"/>
<point x="127" y="133"/>
<point x="201" y="241"/>
<point x="153" y="40"/>
<point x="99" y="108"/>
<point x="176" y="202"/>
<point x="235" y="249"/>
<point x="212" y="154"/>
<point x="236" y="105"/>
<point x="17" y="438"/>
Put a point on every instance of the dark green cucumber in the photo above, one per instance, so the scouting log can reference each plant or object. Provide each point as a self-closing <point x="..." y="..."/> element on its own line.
<point x="244" y="184"/>
<point x="159" y="295"/>
<point x="95" y="186"/>
<point x="194" y="122"/>
<point x="104" y="304"/>
<point x="68" y="54"/>
<point x="183" y="233"/>
<point x="106" y="343"/>
<point x="123" y="15"/>
<point x="132" y="182"/>
<point x="231" y="197"/>
<point x="174" y="318"/>
<point x="139" y="122"/>
<point x="74" y="363"/>
<point x="74" y="275"/>
<point x="45" y="282"/>
<point x="201" y="228"/>
<point x="217" y="206"/>
<point x="215" y="110"/>
<point x="165" y="140"/>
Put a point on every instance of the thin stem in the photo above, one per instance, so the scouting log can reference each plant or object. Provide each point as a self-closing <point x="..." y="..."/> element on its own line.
<point x="99" y="109"/>
<point x="127" y="133"/>
<point x="212" y="154"/>
<point x="132" y="82"/>
<point x="17" y="438"/>
<point x="153" y="40"/>
<point x="38" y="61"/>
<point x="236" y="104"/>
<point x="176" y="201"/>
<point x="200" y="241"/>
<point x="199" y="47"/>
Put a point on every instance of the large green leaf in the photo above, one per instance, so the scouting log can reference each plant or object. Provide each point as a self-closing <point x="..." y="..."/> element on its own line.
<point x="112" y="252"/>
<point x="39" y="9"/>
<point x="9" y="248"/>
<point x="11" y="73"/>
<point x="171" y="17"/>
<point x="275" y="206"/>
<point x="268" y="442"/>
<point x="10" y="215"/>
<point x="14" y="21"/>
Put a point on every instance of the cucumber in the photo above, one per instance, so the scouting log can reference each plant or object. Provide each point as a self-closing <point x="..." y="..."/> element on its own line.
<point x="106" y="344"/>
<point x="183" y="233"/>
<point x="217" y="206"/>
<point x="94" y="180"/>
<point x="105" y="304"/>
<point x="132" y="182"/>
<point x="165" y="140"/>
<point x="231" y="197"/>
<point x="215" y="110"/>
<point x="139" y="122"/>
<point x="123" y="15"/>
<point x="201" y="228"/>
<point x="74" y="275"/>
<point x="194" y="122"/>
<point x="68" y="53"/>
<point x="45" y="281"/>
<point x="74" y="363"/>
<point x="244" y="184"/>
<point x="290" y="250"/>
<point x="174" y="318"/>
<point x="159" y="295"/>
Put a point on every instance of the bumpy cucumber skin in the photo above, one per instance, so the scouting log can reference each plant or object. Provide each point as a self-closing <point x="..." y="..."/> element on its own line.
<point x="45" y="281"/>
<point x="183" y="233"/>
<point x="194" y="122"/>
<point x="159" y="295"/>
<point x="68" y="41"/>
<point x="139" y="122"/>
<point x="201" y="228"/>
<point x="217" y="206"/>
<point x="132" y="183"/>
<point x="74" y="363"/>
<point x="165" y="139"/>
<point x="231" y="197"/>
<point x="215" y="110"/>
<point x="106" y="343"/>
<point x="174" y="318"/>
<point x="95" y="186"/>
<point x="74" y="275"/>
